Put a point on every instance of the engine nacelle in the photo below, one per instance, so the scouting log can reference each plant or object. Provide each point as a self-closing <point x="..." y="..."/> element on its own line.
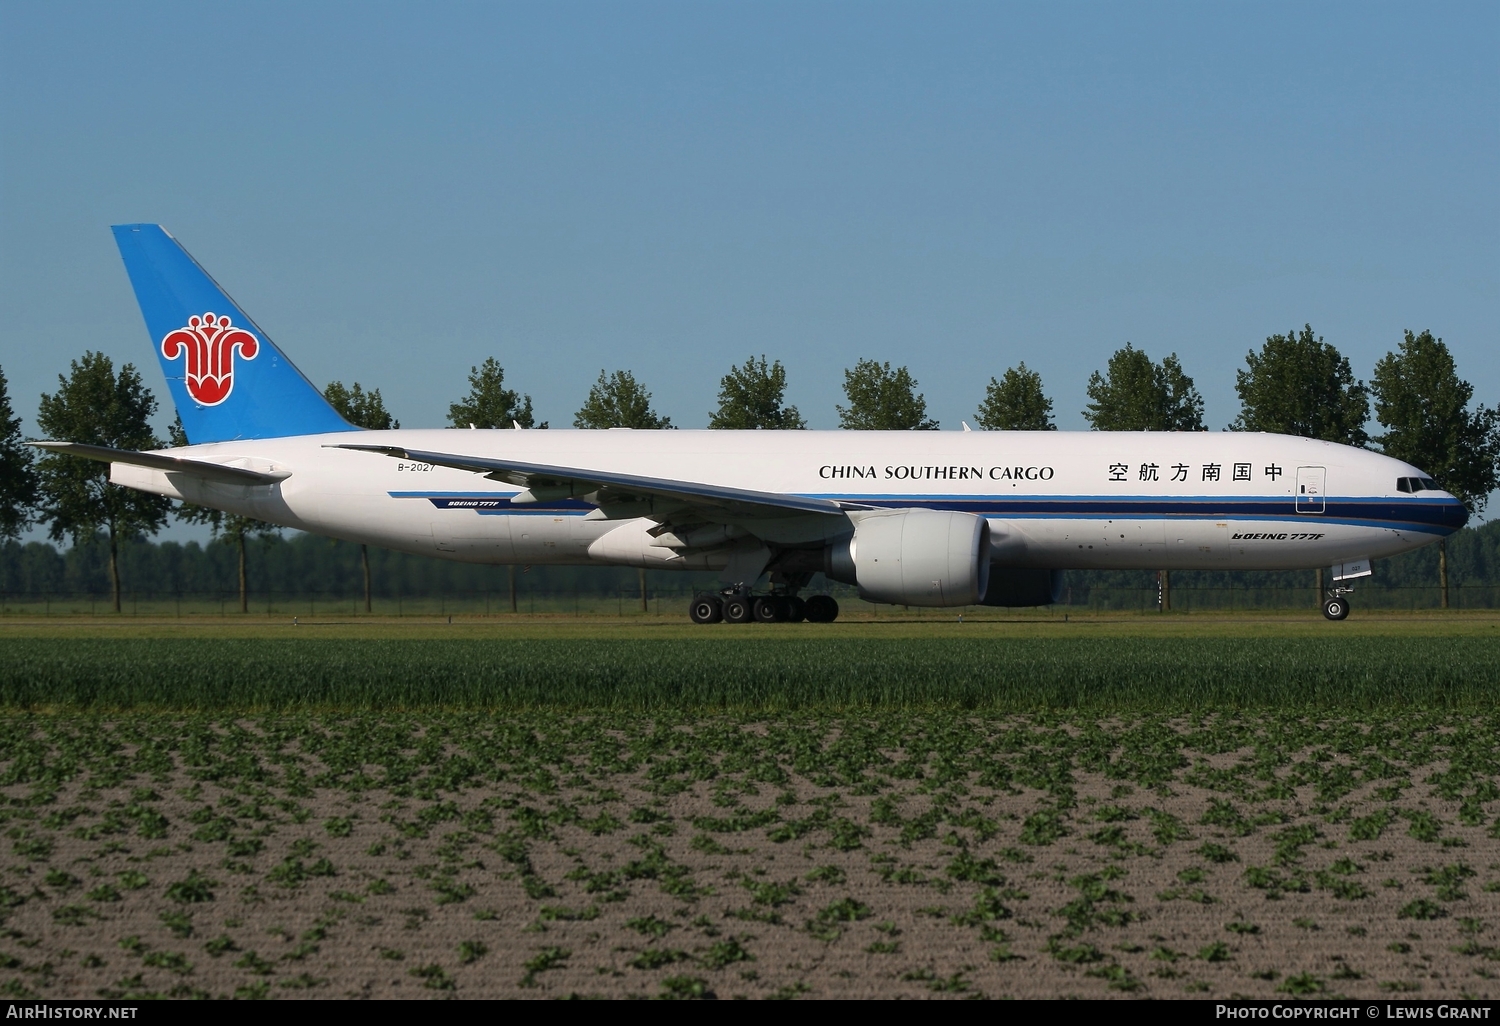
<point x="1024" y="586"/>
<point x="915" y="557"/>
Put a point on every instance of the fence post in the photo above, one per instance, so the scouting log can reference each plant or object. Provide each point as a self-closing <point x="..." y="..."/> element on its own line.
<point x="1443" y="569"/>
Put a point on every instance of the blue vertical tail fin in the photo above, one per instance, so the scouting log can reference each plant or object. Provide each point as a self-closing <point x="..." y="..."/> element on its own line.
<point x="228" y="380"/>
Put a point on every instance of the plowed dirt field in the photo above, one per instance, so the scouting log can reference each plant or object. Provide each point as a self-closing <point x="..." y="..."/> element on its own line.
<point x="484" y="854"/>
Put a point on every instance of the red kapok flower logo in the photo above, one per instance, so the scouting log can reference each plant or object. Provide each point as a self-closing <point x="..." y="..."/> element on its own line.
<point x="210" y="343"/>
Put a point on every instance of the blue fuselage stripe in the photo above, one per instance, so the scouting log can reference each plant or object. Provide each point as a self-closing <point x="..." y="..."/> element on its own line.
<point x="1428" y="516"/>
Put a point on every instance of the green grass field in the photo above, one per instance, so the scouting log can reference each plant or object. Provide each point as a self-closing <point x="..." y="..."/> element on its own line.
<point x="1100" y="665"/>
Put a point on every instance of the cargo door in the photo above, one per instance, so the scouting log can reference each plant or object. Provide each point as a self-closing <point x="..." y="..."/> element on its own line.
<point x="1310" y="482"/>
<point x="1197" y="544"/>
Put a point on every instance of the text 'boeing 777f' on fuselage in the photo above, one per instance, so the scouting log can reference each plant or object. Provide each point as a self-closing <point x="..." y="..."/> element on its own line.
<point x="919" y="518"/>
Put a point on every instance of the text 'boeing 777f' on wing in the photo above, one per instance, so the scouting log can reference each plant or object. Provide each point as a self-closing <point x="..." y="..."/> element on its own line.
<point x="919" y="518"/>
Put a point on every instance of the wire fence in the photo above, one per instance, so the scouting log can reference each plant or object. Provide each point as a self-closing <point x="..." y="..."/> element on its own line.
<point x="625" y="603"/>
<point x="1204" y="599"/>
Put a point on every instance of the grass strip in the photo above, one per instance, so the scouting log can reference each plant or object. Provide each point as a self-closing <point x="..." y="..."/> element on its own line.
<point x="1106" y="674"/>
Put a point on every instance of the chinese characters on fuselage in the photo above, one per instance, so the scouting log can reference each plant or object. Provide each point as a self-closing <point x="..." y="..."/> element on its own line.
<point x="1121" y="472"/>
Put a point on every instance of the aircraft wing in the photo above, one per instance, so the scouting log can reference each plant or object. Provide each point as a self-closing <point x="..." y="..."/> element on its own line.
<point x="606" y="489"/>
<point x="172" y="464"/>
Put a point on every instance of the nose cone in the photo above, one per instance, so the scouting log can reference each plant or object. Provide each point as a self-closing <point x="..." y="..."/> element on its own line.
<point x="1454" y="513"/>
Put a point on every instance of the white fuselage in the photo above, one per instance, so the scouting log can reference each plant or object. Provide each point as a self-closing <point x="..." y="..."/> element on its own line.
<point x="1060" y="500"/>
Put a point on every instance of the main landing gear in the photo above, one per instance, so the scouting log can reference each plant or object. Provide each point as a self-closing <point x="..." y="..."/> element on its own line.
<point x="734" y="606"/>
<point x="1336" y="603"/>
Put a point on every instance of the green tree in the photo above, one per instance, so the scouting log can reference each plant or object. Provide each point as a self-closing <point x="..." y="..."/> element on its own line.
<point x="230" y="528"/>
<point x="489" y="403"/>
<point x="360" y="408"/>
<point x="1299" y="385"/>
<point x="752" y="396"/>
<point x="1424" y="406"/>
<point x="363" y="410"/>
<point x="18" y="483"/>
<point x="618" y="400"/>
<point x="881" y="399"/>
<point x="98" y="407"/>
<point x="1137" y="395"/>
<point x="1016" y="403"/>
<point x="615" y="400"/>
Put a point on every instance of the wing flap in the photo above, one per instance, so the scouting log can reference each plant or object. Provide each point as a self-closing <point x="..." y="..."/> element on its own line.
<point x="606" y="488"/>
<point x="171" y="464"/>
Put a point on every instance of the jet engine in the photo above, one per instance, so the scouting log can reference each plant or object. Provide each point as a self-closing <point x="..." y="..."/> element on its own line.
<point x="915" y="557"/>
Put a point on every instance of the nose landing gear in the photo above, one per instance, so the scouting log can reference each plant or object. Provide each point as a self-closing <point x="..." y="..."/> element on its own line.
<point x="1336" y="603"/>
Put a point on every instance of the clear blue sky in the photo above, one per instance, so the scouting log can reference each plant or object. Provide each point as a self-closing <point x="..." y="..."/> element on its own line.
<point x="396" y="191"/>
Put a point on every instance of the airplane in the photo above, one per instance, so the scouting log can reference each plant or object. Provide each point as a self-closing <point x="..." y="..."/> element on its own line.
<point x="919" y="518"/>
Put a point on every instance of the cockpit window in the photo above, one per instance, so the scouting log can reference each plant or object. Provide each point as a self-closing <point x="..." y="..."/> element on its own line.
<point x="1403" y="484"/>
<point x="1417" y="484"/>
<point x="1429" y="485"/>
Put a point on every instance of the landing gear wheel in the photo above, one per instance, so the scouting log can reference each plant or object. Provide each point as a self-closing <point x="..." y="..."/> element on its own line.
<point x="766" y="610"/>
<point x="1336" y="608"/>
<point x="821" y="609"/>
<point x="796" y="610"/>
<point x="706" y="609"/>
<point x="737" y="609"/>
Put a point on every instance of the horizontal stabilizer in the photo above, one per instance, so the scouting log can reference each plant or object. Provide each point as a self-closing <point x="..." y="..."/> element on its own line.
<point x="544" y="481"/>
<point x="171" y="464"/>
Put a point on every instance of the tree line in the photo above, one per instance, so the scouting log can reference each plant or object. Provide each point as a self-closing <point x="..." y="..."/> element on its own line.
<point x="1295" y="384"/>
